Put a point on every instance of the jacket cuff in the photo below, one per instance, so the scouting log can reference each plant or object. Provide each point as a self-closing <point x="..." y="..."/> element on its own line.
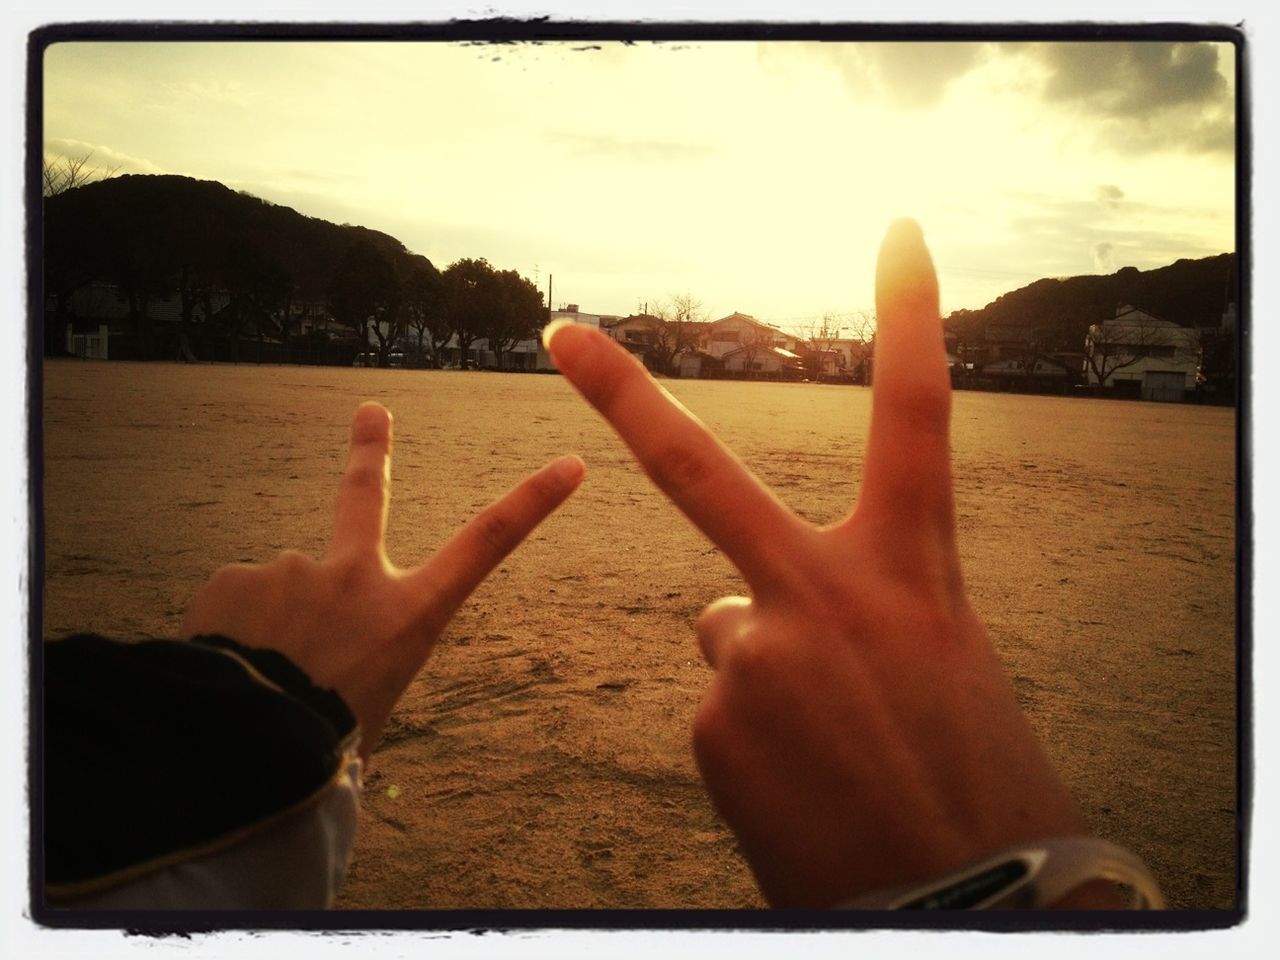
<point x="159" y="751"/>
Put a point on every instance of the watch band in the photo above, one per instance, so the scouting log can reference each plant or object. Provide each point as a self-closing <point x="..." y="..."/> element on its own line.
<point x="1029" y="877"/>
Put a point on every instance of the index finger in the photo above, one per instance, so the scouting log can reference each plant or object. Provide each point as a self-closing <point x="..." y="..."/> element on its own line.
<point x="360" y="518"/>
<point x="707" y="482"/>
<point x="448" y="578"/>
<point x="908" y="462"/>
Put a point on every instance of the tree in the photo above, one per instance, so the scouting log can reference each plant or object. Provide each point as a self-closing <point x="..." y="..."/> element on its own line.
<point x="472" y="294"/>
<point x="67" y="173"/>
<point x="257" y="286"/>
<point x="1037" y="347"/>
<point x="1113" y="345"/>
<point x="1218" y="362"/>
<point x="73" y="256"/>
<point x="364" y="295"/>
<point x="675" y="330"/>
<point x="139" y="262"/>
<point x="755" y="340"/>
<point x="422" y="300"/>
<point x="862" y="328"/>
<point x="820" y="336"/>
<point x="518" y="314"/>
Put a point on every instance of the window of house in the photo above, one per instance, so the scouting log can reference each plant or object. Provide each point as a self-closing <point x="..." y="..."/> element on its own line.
<point x="726" y="336"/>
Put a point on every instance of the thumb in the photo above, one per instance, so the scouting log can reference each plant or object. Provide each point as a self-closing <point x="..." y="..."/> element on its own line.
<point x="720" y="622"/>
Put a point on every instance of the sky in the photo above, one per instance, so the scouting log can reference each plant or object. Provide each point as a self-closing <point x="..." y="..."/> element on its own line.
<point x="755" y="176"/>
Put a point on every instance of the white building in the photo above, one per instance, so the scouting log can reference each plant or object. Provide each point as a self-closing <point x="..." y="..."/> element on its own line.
<point x="1158" y="358"/>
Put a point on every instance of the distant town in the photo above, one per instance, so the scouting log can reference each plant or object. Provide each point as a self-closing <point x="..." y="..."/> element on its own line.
<point x="169" y="268"/>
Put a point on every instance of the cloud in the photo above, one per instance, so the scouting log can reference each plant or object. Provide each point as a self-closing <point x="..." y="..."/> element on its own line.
<point x="1145" y="95"/>
<point x="1104" y="257"/>
<point x="911" y="75"/>
<point x="1133" y="79"/>
<point x="1071" y="236"/>
<point x="1109" y="196"/>
<point x="101" y="157"/>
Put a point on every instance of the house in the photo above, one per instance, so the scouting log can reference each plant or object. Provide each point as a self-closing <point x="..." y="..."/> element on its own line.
<point x="98" y="321"/>
<point x="690" y="364"/>
<point x="743" y="331"/>
<point x="1138" y="353"/>
<point x="88" y="339"/>
<point x="1016" y="356"/>
<point x="769" y="361"/>
<point x="746" y="346"/>
<point x="662" y="344"/>
<point x="638" y="333"/>
<point x="845" y="359"/>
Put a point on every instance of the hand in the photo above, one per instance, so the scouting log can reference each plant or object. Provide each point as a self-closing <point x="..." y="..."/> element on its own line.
<point x="352" y="621"/>
<point x="858" y="732"/>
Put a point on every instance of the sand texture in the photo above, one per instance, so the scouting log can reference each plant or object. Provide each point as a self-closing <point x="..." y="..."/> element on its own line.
<point x="542" y="758"/>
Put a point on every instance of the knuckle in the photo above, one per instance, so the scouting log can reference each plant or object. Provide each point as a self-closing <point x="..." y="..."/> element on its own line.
<point x="545" y="488"/>
<point x="924" y="411"/>
<point x="685" y="462"/>
<point x="496" y="532"/>
<point x="293" y="563"/>
<point x="606" y="392"/>
<point x="364" y="478"/>
<point x="228" y="578"/>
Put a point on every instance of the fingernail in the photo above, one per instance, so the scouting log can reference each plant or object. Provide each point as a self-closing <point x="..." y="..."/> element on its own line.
<point x="569" y="468"/>
<point x="552" y="328"/>
<point x="372" y="422"/>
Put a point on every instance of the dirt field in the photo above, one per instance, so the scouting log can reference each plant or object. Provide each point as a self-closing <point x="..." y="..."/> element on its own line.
<point x="542" y="758"/>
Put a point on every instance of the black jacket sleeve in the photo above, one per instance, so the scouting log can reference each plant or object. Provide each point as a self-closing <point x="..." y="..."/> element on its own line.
<point x="159" y="746"/>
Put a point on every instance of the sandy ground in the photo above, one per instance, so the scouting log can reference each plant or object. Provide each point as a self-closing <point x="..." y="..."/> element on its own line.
<point x="542" y="758"/>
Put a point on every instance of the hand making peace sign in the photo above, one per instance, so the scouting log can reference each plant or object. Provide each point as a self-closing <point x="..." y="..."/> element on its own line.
<point x="858" y="732"/>
<point x="352" y="621"/>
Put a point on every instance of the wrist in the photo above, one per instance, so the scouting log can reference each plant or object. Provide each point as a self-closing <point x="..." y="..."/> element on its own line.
<point x="1065" y="873"/>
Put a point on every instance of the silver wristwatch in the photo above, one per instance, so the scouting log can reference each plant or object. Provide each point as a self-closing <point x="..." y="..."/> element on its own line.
<point x="1030" y="877"/>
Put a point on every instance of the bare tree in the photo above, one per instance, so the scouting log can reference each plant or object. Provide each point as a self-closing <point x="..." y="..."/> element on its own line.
<point x="1112" y="346"/>
<point x="1035" y="350"/>
<point x="67" y="173"/>
<point x="675" y="332"/>
<point x="862" y="327"/>
<point x="754" y="340"/>
<point x="820" y="336"/>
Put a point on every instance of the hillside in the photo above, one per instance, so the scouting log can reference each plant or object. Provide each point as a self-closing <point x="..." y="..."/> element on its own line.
<point x="163" y="226"/>
<point x="1191" y="293"/>
<point x="193" y="240"/>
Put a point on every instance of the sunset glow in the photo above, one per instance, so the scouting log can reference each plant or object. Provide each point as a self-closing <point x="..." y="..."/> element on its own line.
<point x="756" y="176"/>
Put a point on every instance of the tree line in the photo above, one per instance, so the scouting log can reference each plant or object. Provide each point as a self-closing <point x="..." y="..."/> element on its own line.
<point x="240" y="267"/>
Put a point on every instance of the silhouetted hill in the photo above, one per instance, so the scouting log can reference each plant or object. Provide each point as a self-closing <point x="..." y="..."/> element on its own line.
<point x="163" y="226"/>
<point x="1189" y="292"/>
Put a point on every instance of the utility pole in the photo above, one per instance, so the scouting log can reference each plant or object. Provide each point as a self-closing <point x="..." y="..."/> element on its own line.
<point x="550" y="277"/>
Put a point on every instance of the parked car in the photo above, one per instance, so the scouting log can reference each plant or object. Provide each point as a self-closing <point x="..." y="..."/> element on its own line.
<point x="366" y="359"/>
